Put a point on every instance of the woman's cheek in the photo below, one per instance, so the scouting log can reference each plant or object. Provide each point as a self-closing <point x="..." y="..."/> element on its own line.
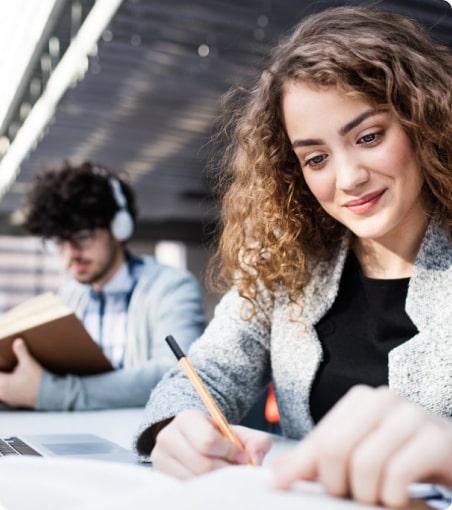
<point x="321" y="185"/>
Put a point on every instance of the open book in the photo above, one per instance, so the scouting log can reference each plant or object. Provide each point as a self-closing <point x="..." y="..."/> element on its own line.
<point x="28" y="483"/>
<point x="54" y="336"/>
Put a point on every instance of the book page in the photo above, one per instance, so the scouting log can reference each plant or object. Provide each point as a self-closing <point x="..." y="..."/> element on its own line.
<point x="39" y="302"/>
<point x="30" y="313"/>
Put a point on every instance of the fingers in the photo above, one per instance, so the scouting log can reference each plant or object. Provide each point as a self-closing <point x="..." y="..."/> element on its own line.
<point x="339" y="435"/>
<point x="206" y="439"/>
<point x="299" y="464"/>
<point x="426" y="457"/>
<point x="20" y="350"/>
<point x="171" y="466"/>
<point x="369" y="461"/>
<point x="256" y="443"/>
<point x="20" y="387"/>
<point x="3" y="386"/>
<point x="326" y="451"/>
<point x="371" y="446"/>
<point x="174" y="455"/>
<point x="191" y="445"/>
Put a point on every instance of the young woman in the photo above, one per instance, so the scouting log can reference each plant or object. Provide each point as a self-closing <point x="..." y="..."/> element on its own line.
<point x="336" y="244"/>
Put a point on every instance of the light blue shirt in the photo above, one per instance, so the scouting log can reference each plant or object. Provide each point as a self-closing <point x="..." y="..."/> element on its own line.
<point x="105" y="316"/>
<point x="164" y="301"/>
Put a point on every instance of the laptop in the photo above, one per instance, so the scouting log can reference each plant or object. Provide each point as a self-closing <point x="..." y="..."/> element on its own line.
<point x="86" y="446"/>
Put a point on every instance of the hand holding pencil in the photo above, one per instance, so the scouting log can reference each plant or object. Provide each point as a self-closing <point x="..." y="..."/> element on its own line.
<point x="195" y="443"/>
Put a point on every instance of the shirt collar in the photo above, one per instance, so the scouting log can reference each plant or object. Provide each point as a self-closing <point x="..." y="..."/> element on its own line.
<point x="121" y="281"/>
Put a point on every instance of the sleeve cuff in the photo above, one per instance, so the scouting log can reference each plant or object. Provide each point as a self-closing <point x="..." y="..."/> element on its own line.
<point x="50" y="393"/>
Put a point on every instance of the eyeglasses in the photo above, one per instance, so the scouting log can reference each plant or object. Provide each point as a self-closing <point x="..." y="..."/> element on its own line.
<point x="80" y="240"/>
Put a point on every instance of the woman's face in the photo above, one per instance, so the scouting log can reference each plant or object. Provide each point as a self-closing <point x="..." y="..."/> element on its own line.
<point x="358" y="162"/>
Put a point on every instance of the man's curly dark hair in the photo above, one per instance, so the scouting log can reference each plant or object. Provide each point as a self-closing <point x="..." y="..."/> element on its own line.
<point x="71" y="198"/>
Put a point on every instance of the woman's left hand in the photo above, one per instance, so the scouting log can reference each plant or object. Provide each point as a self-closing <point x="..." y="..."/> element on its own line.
<point x="371" y="446"/>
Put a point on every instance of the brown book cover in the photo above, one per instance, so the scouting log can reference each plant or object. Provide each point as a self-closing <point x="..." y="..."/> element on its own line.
<point x="53" y="335"/>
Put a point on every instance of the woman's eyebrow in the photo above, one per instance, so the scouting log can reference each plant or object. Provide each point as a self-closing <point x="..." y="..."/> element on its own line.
<point x="342" y="131"/>
<point x="357" y="121"/>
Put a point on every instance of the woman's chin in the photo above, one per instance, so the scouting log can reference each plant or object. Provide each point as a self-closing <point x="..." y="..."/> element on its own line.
<point x="371" y="229"/>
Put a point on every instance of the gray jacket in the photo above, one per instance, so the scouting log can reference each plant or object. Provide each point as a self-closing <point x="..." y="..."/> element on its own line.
<point x="237" y="358"/>
<point x="164" y="301"/>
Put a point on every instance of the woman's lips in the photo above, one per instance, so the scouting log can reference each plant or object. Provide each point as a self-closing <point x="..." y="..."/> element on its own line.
<point x="366" y="203"/>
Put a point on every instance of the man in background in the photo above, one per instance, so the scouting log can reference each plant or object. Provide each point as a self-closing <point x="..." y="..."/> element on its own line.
<point x="128" y="304"/>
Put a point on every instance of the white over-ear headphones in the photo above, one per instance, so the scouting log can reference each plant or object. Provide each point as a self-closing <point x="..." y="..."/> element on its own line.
<point x="122" y="224"/>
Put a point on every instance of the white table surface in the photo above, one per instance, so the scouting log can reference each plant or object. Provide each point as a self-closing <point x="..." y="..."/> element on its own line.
<point x="118" y="425"/>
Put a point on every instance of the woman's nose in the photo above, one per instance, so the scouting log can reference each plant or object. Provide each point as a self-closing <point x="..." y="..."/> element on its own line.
<point x="350" y="174"/>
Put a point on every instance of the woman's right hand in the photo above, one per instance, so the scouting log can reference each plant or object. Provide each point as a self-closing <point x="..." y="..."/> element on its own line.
<point x="191" y="445"/>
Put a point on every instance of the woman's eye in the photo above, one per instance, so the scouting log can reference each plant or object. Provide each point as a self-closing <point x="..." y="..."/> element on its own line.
<point x="370" y="138"/>
<point x="315" y="161"/>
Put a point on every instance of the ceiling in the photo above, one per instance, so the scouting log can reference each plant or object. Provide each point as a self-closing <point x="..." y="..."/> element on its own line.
<point x="148" y="101"/>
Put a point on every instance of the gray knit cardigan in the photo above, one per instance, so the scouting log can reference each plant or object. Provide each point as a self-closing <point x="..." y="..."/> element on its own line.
<point x="236" y="358"/>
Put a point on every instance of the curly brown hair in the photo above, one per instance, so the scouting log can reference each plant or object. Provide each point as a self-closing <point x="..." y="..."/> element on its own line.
<point x="72" y="197"/>
<point x="272" y="227"/>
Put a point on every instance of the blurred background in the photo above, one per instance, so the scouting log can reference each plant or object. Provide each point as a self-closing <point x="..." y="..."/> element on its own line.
<point x="135" y="85"/>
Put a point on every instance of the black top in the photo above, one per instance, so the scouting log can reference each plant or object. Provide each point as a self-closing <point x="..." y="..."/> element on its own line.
<point x="366" y="321"/>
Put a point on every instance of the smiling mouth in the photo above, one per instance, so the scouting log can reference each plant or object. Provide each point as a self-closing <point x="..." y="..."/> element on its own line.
<point x="370" y="197"/>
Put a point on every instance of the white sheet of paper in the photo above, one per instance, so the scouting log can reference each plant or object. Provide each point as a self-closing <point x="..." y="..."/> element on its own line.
<point x="250" y="488"/>
<point x="31" y="483"/>
<point x="28" y="483"/>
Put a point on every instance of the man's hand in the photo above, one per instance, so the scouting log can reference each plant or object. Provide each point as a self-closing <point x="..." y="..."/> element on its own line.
<point x="20" y="387"/>
<point x="371" y="446"/>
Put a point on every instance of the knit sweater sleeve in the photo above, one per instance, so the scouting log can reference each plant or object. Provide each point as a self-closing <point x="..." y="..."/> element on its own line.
<point x="232" y="358"/>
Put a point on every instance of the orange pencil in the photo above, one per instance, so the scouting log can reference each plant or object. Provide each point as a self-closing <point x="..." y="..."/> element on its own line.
<point x="204" y="394"/>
